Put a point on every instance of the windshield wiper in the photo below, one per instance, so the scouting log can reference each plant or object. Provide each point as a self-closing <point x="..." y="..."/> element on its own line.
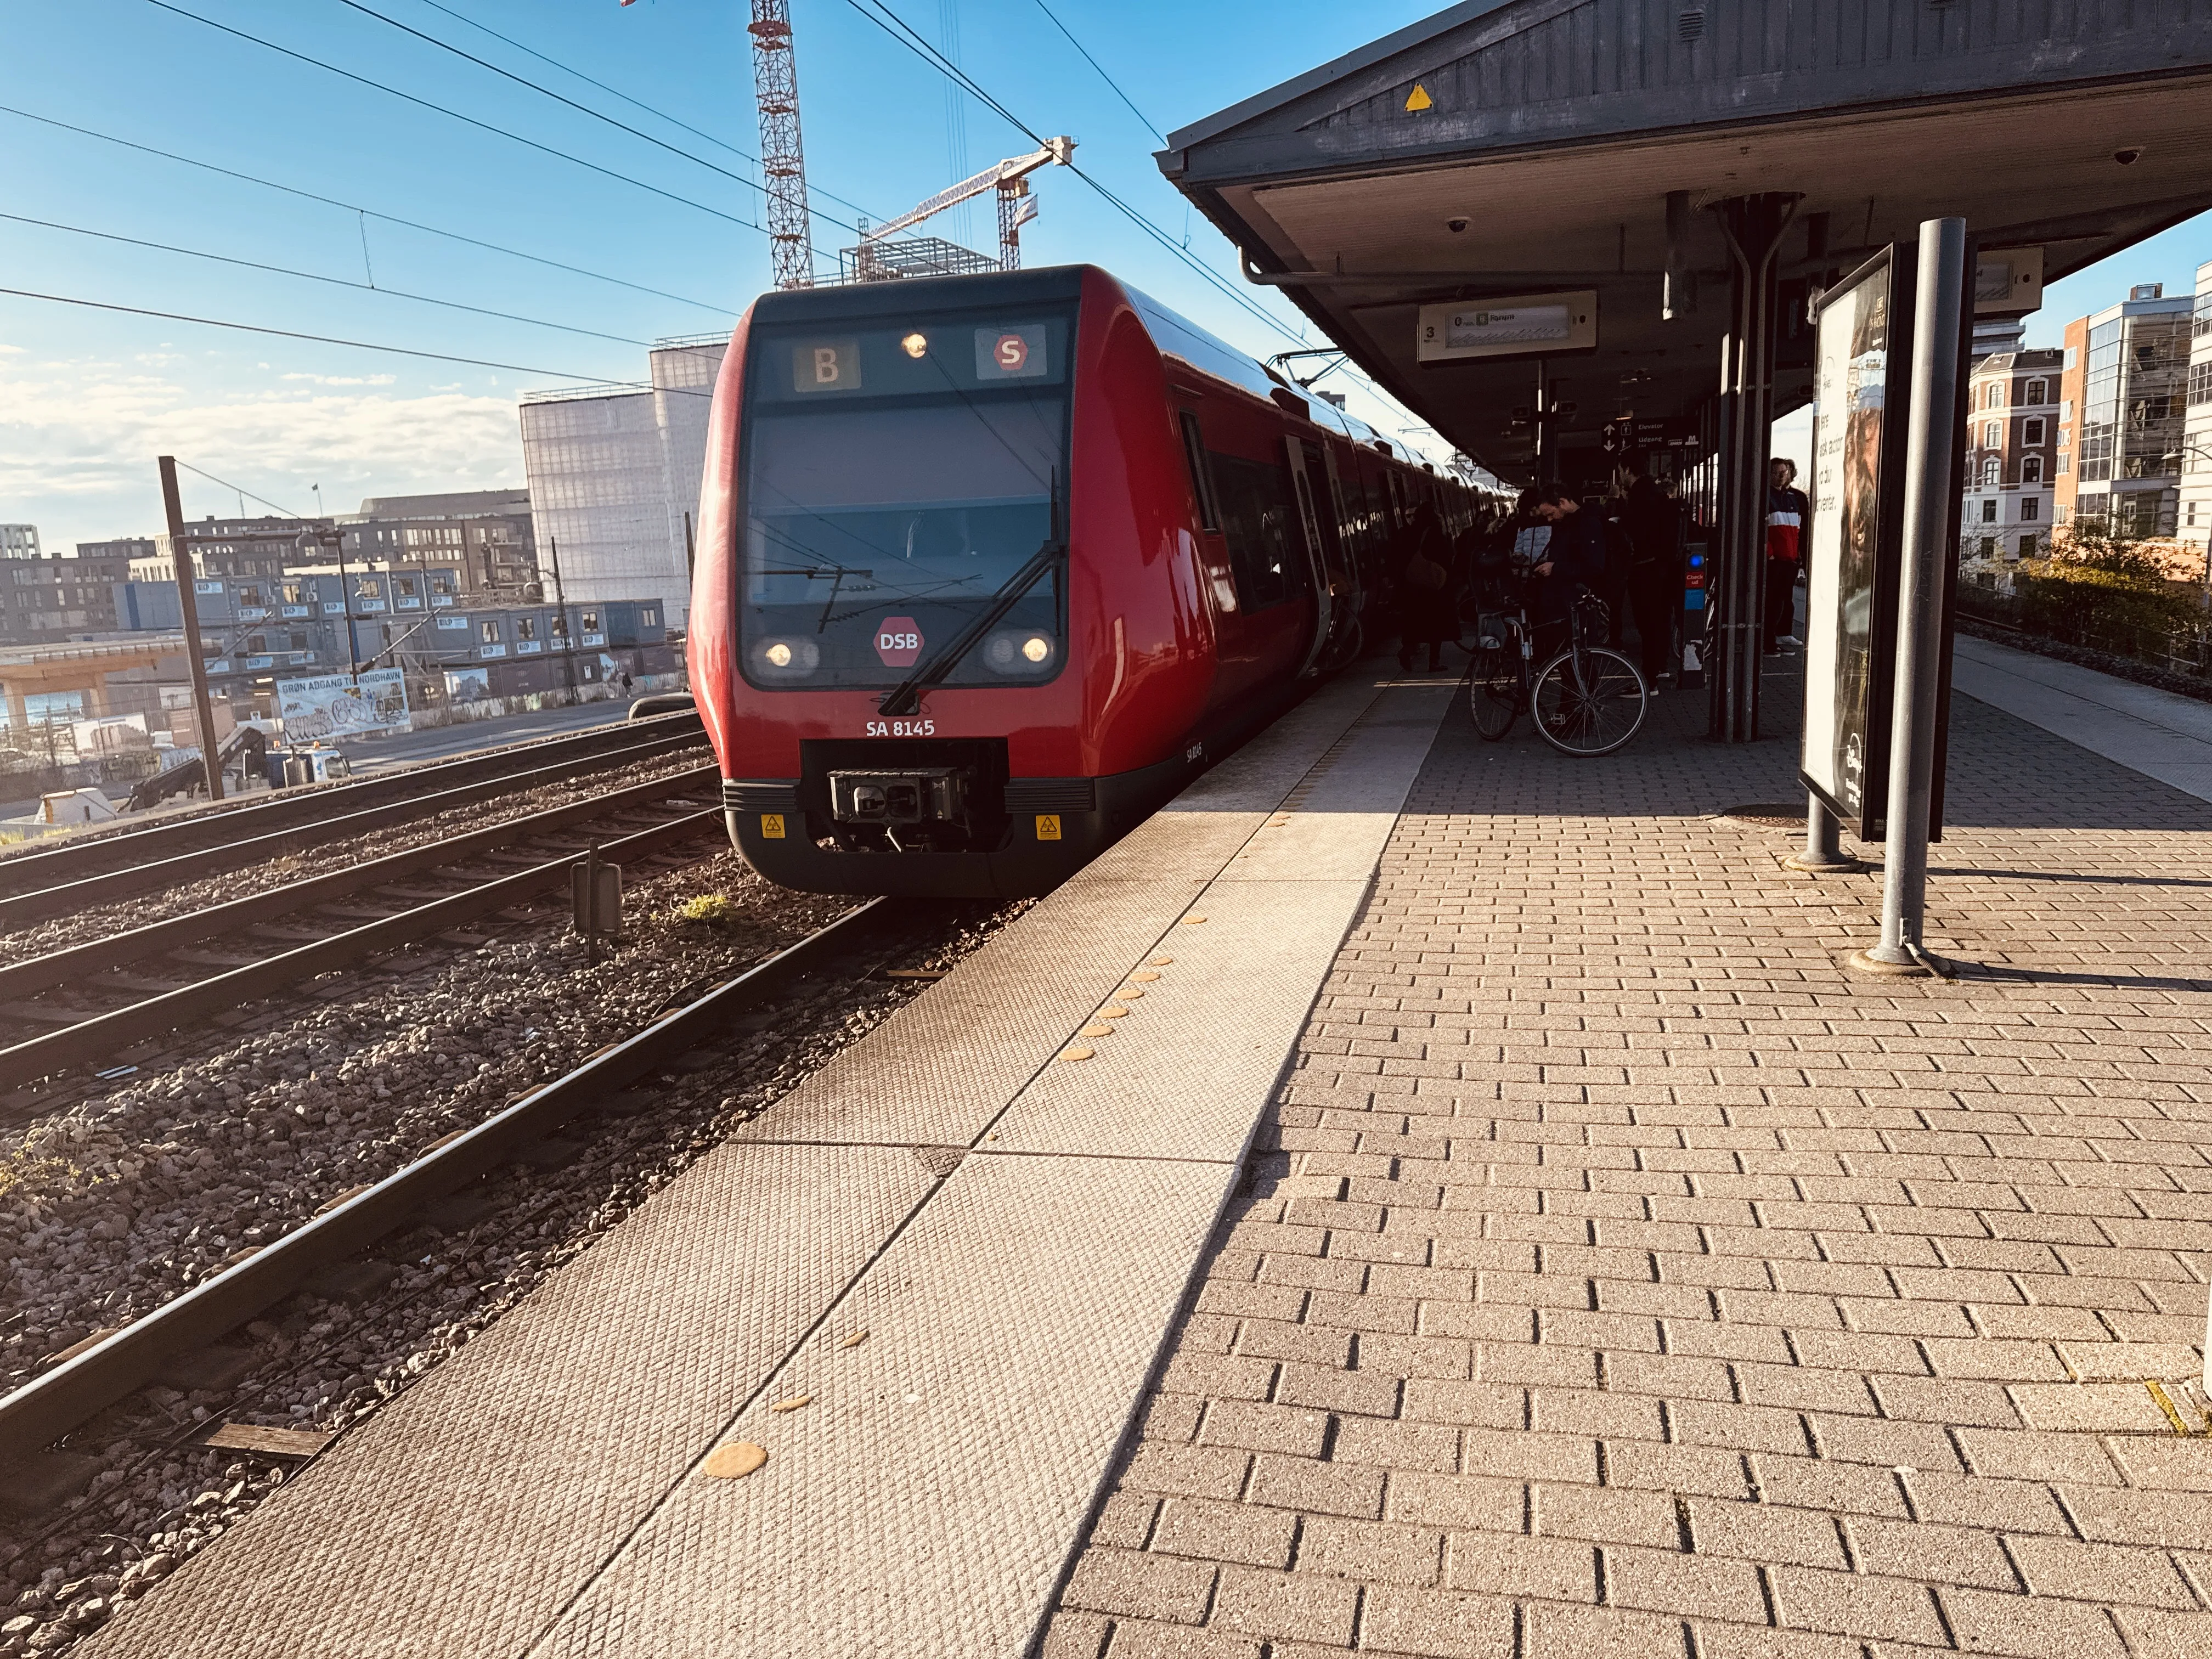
<point x="906" y="697"/>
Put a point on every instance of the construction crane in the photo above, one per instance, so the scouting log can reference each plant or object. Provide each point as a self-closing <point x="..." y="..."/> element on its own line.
<point x="872" y="262"/>
<point x="783" y="161"/>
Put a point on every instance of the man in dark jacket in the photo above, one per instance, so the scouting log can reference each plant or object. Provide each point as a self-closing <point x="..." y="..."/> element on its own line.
<point x="1653" y="520"/>
<point x="1574" y="558"/>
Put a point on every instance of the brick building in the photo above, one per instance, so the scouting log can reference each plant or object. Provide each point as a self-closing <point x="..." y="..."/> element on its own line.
<point x="2012" y="436"/>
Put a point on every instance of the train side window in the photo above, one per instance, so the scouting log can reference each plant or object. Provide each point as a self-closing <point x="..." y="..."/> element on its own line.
<point x="1201" y="474"/>
<point x="1256" y="519"/>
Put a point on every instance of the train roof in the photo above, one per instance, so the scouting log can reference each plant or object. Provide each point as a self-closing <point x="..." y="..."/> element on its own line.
<point x="1175" y="335"/>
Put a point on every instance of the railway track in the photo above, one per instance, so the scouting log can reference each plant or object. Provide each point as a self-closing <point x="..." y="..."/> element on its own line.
<point x="109" y="1003"/>
<point x="38" y="884"/>
<point x="693" y="1035"/>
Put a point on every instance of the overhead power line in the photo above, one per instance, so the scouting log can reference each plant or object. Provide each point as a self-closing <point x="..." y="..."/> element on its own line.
<point x="880" y="13"/>
<point x="1147" y="120"/>
<point x="318" y="340"/>
<point x="570" y="103"/>
<point x="316" y="276"/>
<point x="239" y="490"/>
<point x="466" y="121"/>
<point x="355" y="207"/>
<point x="634" y="103"/>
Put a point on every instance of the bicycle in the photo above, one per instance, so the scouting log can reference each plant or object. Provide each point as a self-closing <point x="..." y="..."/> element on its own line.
<point x="1587" y="701"/>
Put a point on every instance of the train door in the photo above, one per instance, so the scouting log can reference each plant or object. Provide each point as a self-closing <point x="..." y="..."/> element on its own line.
<point x="1338" y="535"/>
<point x="1317" y="551"/>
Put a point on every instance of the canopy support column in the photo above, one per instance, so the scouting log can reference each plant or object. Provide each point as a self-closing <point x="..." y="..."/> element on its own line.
<point x="1753" y="226"/>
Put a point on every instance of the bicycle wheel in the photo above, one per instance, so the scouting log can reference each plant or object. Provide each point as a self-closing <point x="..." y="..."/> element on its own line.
<point x="1589" y="701"/>
<point x="1493" y="690"/>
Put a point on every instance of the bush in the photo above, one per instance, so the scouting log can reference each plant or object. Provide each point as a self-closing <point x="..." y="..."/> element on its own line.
<point x="2100" y="590"/>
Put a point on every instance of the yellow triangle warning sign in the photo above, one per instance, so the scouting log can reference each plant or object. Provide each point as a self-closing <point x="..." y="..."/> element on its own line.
<point x="1418" y="99"/>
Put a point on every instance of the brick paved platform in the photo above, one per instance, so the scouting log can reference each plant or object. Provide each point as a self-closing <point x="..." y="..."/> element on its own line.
<point x="1625" y="1278"/>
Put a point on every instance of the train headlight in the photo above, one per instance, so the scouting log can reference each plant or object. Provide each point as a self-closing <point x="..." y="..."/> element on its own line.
<point x="787" y="659"/>
<point x="1018" y="652"/>
<point x="916" y="345"/>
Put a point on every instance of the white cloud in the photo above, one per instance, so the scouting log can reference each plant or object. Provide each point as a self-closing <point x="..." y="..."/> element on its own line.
<point x="347" y="379"/>
<point x="78" y="441"/>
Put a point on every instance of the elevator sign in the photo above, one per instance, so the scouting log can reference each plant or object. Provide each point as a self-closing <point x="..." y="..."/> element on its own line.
<point x="898" y="641"/>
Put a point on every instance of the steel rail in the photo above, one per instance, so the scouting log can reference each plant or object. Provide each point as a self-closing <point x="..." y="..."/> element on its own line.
<point x="47" y="1407"/>
<point x="45" y="903"/>
<point x="333" y="808"/>
<point x="80" y="962"/>
<point x="103" y="1036"/>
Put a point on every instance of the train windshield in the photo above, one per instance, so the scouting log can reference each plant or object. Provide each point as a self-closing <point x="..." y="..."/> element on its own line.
<point x="897" y="479"/>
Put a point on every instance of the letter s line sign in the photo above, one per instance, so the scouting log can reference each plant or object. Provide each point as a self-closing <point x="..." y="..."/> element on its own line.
<point x="898" y="641"/>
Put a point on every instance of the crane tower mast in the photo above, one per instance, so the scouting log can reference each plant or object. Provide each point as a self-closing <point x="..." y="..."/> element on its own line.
<point x="783" y="161"/>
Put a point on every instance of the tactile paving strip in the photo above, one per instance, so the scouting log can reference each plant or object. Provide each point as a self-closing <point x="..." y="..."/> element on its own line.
<point x="462" y="1519"/>
<point x="922" y="1504"/>
<point x="539" y="1494"/>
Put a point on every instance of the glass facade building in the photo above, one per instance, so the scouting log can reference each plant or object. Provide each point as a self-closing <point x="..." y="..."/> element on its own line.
<point x="2131" y="365"/>
<point x="613" y="474"/>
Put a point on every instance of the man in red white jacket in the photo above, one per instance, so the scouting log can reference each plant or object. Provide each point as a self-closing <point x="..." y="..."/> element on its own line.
<point x="1789" y="524"/>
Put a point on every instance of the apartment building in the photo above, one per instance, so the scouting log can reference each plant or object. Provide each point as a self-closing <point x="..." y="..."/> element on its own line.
<point x="2196" y="526"/>
<point x="2012" y="421"/>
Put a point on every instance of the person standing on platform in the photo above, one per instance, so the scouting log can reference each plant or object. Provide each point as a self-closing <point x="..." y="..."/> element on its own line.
<point x="1573" y="559"/>
<point x="1789" y="517"/>
<point x="1428" y="609"/>
<point x="1653" y="520"/>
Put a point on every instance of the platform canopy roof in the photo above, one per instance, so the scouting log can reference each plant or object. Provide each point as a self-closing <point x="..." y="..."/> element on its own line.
<point x="1507" y="148"/>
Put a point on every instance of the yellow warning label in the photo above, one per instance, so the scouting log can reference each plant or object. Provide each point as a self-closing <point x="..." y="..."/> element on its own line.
<point x="1048" y="826"/>
<point x="772" y="825"/>
<point x="1418" y="99"/>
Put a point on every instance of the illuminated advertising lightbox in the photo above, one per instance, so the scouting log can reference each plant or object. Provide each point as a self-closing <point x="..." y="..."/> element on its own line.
<point x="1862" y="364"/>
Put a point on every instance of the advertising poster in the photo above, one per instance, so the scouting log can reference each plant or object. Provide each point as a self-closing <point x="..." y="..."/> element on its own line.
<point x="468" y="685"/>
<point x="329" y="706"/>
<point x="1850" y="554"/>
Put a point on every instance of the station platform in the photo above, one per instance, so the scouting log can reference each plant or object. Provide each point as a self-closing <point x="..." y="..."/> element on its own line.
<point x="1504" y="1228"/>
<point x="1008" y="1228"/>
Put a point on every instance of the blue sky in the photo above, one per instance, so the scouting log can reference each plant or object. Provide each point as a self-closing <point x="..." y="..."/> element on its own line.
<point x="88" y="397"/>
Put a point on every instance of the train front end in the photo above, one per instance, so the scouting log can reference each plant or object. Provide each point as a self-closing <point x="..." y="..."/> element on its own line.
<point x="900" y="616"/>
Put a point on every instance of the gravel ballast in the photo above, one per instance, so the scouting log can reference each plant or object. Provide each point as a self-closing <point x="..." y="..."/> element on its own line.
<point x="111" y="1208"/>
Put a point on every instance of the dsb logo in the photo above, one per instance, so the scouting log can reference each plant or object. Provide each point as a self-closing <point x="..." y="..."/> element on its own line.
<point x="898" y="641"/>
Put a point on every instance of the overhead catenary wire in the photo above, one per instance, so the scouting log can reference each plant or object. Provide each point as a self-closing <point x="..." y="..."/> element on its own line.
<point x="879" y="13"/>
<point x="466" y="121"/>
<point x="239" y="489"/>
<point x="1149" y="124"/>
<point x="316" y="276"/>
<point x="319" y="339"/>
<point x="365" y="212"/>
<point x="814" y="189"/>
<point x="558" y="98"/>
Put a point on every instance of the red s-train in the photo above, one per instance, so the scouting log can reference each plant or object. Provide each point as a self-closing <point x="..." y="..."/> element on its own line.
<point x="989" y="567"/>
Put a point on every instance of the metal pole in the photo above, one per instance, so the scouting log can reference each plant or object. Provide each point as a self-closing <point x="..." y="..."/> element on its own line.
<point x="345" y="597"/>
<point x="1823" y="849"/>
<point x="1931" y="451"/>
<point x="189" y="609"/>
<point x="560" y="602"/>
